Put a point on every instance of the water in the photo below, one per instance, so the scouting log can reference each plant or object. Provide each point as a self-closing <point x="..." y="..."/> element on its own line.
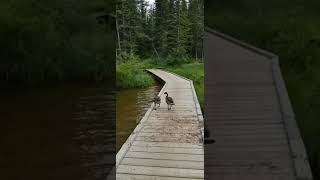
<point x="65" y="133"/>
<point x="131" y="106"/>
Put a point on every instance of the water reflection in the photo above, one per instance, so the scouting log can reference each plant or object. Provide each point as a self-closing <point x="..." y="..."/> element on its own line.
<point x="65" y="133"/>
<point x="131" y="107"/>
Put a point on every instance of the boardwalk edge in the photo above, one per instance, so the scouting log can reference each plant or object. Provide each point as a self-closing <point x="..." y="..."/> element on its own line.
<point x="296" y="145"/>
<point x="126" y="146"/>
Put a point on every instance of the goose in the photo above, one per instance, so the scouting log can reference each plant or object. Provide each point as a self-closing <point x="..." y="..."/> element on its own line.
<point x="156" y="100"/>
<point x="169" y="101"/>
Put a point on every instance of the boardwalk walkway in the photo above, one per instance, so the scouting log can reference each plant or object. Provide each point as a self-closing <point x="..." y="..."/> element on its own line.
<point x="248" y="113"/>
<point x="166" y="144"/>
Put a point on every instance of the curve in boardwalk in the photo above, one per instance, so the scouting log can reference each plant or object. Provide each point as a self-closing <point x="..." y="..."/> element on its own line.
<point x="166" y="144"/>
<point x="248" y="113"/>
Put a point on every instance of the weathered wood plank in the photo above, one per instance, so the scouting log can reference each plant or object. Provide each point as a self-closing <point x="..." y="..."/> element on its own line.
<point x="167" y="156"/>
<point x="160" y="171"/>
<point x="170" y="150"/>
<point x="144" y="177"/>
<point x="163" y="163"/>
<point x="168" y="143"/>
<point x="248" y="113"/>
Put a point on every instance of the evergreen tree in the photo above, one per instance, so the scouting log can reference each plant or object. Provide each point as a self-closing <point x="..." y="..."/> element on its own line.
<point x="128" y="20"/>
<point x="171" y="28"/>
<point x="161" y="19"/>
<point x="183" y="29"/>
<point x="142" y="38"/>
<point x="197" y="28"/>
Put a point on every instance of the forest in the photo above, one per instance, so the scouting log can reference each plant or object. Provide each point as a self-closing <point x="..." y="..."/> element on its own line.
<point x="44" y="42"/>
<point x="290" y="29"/>
<point x="169" y="28"/>
<point x="166" y="34"/>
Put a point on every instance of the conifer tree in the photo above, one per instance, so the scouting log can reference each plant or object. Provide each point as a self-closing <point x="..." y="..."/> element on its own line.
<point x="171" y="28"/>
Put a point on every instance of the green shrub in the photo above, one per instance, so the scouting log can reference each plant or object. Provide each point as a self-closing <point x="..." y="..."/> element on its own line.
<point x="132" y="74"/>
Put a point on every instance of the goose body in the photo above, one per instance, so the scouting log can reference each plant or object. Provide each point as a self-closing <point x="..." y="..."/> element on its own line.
<point x="169" y="101"/>
<point x="157" y="101"/>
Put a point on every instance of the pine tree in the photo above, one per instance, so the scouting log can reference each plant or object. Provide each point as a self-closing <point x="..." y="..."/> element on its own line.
<point x="128" y="20"/>
<point x="142" y="38"/>
<point x="161" y="19"/>
<point x="196" y="17"/>
<point x="183" y="34"/>
<point x="170" y="28"/>
<point x="172" y="24"/>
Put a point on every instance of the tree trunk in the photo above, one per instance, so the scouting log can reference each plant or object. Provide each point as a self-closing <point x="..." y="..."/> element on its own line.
<point x="118" y="34"/>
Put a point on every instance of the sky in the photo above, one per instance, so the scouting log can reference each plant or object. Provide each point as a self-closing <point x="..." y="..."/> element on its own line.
<point x="150" y="1"/>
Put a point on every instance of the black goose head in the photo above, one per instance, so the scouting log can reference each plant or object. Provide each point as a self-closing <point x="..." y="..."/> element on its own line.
<point x="165" y="93"/>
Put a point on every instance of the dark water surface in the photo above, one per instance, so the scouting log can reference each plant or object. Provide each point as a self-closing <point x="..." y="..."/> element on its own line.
<point x="132" y="104"/>
<point x="65" y="133"/>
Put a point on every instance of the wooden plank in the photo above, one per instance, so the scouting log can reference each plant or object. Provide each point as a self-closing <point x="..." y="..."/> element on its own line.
<point x="148" y="177"/>
<point x="178" y="126"/>
<point x="163" y="163"/>
<point x="237" y="176"/>
<point x="171" y="135"/>
<point x="245" y="91"/>
<point x="182" y="139"/>
<point x="151" y="118"/>
<point x="166" y="156"/>
<point x="172" y="122"/>
<point x="167" y="144"/>
<point x="251" y="169"/>
<point x="171" y="150"/>
<point x="160" y="171"/>
<point x="246" y="155"/>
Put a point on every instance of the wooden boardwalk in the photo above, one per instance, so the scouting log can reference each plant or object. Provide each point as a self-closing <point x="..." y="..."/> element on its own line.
<point x="248" y="113"/>
<point x="166" y="144"/>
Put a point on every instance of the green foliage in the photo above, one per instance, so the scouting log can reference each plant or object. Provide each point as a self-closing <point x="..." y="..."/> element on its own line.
<point x="55" y="40"/>
<point x="172" y="28"/>
<point x="132" y="74"/>
<point x="290" y="29"/>
<point x="176" y="61"/>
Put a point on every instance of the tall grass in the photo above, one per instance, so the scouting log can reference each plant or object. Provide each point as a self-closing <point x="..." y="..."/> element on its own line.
<point x="132" y="74"/>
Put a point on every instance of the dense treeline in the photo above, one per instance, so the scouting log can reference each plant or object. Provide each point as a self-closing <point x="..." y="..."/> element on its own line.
<point x="169" y="29"/>
<point x="290" y="29"/>
<point x="45" y="41"/>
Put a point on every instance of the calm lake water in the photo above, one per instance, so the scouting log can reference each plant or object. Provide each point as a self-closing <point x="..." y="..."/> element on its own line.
<point x="132" y="104"/>
<point x="65" y="133"/>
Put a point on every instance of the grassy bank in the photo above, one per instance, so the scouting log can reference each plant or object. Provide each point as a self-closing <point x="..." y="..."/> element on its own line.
<point x="132" y="74"/>
<point x="291" y="30"/>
